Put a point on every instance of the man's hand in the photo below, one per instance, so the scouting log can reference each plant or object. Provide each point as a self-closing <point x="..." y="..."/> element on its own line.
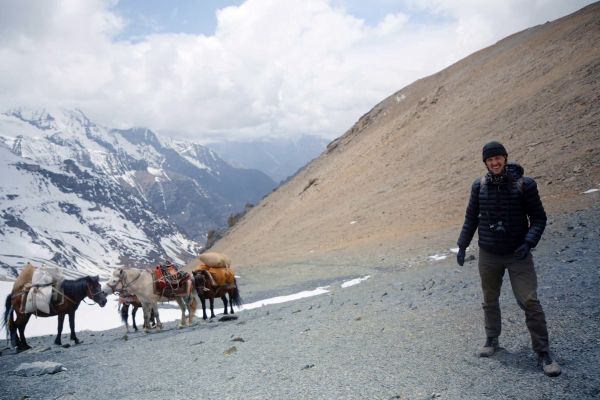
<point x="522" y="251"/>
<point x="460" y="256"/>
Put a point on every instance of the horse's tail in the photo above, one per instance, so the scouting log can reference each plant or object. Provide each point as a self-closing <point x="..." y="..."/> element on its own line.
<point x="7" y="321"/>
<point x="234" y="295"/>
<point x="124" y="312"/>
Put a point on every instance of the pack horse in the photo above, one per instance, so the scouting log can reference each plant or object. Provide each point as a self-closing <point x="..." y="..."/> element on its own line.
<point x="66" y="295"/>
<point x="144" y="284"/>
<point x="215" y="278"/>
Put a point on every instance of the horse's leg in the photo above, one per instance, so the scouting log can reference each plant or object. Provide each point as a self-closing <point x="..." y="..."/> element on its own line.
<point x="181" y="304"/>
<point x="61" y="321"/>
<point x="133" y="312"/>
<point x="14" y="337"/>
<point x="125" y="316"/>
<point x="158" y="324"/>
<point x="152" y="318"/>
<point x="224" y="300"/>
<point x="149" y="310"/>
<point x="203" y="301"/>
<point x="20" y="325"/>
<point x="212" y="307"/>
<point x="11" y="324"/>
<point x="146" y="308"/>
<point x="230" y="301"/>
<point x="193" y="305"/>
<point x="72" y="326"/>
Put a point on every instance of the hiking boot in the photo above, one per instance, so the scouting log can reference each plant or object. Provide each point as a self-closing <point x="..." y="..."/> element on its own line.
<point x="489" y="348"/>
<point x="550" y="367"/>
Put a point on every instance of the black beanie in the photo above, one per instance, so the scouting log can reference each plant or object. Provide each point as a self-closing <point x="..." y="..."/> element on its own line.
<point x="492" y="149"/>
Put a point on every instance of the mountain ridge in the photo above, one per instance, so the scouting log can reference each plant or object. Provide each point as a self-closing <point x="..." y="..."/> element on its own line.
<point x="90" y="198"/>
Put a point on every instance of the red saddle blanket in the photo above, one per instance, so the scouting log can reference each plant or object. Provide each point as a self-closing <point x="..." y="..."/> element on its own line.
<point x="168" y="281"/>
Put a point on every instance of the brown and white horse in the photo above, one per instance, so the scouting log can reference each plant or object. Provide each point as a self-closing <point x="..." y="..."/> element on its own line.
<point x="141" y="283"/>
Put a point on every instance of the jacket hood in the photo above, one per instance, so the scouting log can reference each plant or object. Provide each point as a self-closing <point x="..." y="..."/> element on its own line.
<point x="514" y="170"/>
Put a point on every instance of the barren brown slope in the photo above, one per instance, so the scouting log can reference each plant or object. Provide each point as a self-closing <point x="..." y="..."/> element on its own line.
<point x="399" y="178"/>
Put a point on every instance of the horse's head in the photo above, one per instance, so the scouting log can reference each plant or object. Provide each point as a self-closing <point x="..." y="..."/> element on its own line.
<point x="115" y="282"/>
<point x="203" y="281"/>
<point x="199" y="279"/>
<point x="94" y="290"/>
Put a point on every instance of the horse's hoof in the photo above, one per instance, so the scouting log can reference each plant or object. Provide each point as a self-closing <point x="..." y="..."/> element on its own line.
<point x="20" y="349"/>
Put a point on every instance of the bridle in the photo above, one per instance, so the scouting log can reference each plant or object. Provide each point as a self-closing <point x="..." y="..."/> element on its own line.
<point x="124" y="284"/>
<point x="92" y="294"/>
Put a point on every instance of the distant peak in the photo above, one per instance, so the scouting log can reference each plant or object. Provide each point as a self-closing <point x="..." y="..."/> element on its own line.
<point x="46" y="118"/>
<point x="40" y="118"/>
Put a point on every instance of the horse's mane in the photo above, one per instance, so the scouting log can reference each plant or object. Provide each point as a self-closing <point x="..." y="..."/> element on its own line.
<point x="75" y="284"/>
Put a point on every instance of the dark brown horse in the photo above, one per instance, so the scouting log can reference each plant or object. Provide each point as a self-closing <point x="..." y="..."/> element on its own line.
<point x="207" y="288"/>
<point x="71" y="293"/>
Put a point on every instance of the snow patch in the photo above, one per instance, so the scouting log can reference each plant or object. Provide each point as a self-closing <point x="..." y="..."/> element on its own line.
<point x="155" y="171"/>
<point x="400" y="98"/>
<point x="354" y="281"/>
<point x="91" y="317"/>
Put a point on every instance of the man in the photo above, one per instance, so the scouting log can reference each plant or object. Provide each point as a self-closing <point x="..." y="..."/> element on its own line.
<point x="506" y="209"/>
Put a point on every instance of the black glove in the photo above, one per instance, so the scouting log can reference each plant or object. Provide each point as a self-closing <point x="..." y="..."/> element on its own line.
<point x="522" y="251"/>
<point x="460" y="256"/>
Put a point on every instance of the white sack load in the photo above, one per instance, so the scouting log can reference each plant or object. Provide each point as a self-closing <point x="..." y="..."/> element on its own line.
<point x="56" y="274"/>
<point x="40" y="294"/>
<point x="215" y="260"/>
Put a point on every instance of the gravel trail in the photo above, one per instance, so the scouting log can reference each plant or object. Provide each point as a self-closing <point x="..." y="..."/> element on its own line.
<point x="410" y="331"/>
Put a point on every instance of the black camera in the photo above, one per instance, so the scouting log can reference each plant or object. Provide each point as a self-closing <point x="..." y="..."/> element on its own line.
<point x="498" y="228"/>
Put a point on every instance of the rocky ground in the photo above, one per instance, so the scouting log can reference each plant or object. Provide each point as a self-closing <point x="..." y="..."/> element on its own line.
<point x="408" y="332"/>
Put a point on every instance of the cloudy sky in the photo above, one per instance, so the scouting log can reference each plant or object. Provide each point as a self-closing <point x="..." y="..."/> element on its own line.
<point x="207" y="69"/>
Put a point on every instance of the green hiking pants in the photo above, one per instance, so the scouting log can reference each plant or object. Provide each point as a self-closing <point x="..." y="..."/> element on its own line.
<point x="523" y="281"/>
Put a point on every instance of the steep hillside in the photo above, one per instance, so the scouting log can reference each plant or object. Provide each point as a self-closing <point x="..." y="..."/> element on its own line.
<point x="399" y="178"/>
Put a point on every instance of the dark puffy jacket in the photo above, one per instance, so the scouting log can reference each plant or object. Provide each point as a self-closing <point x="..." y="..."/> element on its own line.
<point x="519" y="211"/>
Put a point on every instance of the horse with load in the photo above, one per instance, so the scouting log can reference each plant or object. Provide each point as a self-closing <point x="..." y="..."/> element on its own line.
<point x="43" y="292"/>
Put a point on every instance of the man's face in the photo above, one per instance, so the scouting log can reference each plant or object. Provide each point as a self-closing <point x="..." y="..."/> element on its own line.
<point x="496" y="164"/>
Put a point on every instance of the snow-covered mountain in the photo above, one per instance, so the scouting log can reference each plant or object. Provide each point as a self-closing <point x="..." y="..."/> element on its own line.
<point x="89" y="198"/>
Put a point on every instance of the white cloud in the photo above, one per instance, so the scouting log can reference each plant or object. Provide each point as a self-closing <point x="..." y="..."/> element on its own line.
<point x="271" y="68"/>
